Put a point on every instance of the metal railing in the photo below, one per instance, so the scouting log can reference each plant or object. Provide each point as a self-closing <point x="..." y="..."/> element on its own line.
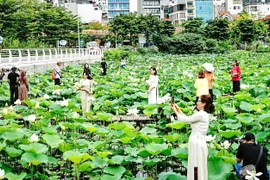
<point x="30" y="56"/>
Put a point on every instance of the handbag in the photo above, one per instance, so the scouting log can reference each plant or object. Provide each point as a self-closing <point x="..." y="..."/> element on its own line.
<point x="250" y="167"/>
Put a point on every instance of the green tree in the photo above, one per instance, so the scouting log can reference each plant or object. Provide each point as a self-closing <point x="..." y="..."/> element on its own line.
<point x="193" y="25"/>
<point x="217" y="29"/>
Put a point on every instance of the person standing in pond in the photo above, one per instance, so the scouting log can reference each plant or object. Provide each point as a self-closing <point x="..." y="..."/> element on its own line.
<point x="103" y="65"/>
<point x="197" y="147"/>
<point x="13" y="79"/>
<point x="24" y="86"/>
<point x="58" y="73"/>
<point x="209" y="70"/>
<point x="87" y="71"/>
<point x="201" y="86"/>
<point x="152" y="85"/>
<point x="86" y="93"/>
<point x="123" y="62"/>
<point x="236" y="76"/>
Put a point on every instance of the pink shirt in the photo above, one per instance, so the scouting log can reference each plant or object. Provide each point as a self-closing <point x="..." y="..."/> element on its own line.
<point x="235" y="73"/>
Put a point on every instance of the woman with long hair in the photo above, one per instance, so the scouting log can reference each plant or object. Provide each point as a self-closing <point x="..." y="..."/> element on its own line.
<point x="197" y="147"/>
<point x="87" y="71"/>
<point x="152" y="85"/>
<point x="236" y="76"/>
<point x="24" y="86"/>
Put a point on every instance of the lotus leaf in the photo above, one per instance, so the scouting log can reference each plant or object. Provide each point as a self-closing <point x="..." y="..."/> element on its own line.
<point x="176" y="125"/>
<point x="261" y="136"/>
<point x="103" y="154"/>
<point x="86" y="166"/>
<point x="265" y="118"/>
<point x="229" y="111"/>
<point x="97" y="145"/>
<point x="50" y="130"/>
<point x="13" y="152"/>
<point x="245" y="106"/>
<point x="230" y="133"/>
<point x="99" y="162"/>
<point x="125" y="140"/>
<point x="148" y="130"/>
<point x="170" y="176"/>
<point x="34" y="147"/>
<point x="52" y="140"/>
<point x="181" y="153"/>
<point x="104" y="116"/>
<point x="109" y="177"/>
<point x="12" y="136"/>
<point x="144" y="153"/>
<point x="245" y="118"/>
<point x="218" y="168"/>
<point x="116" y="160"/>
<point x="76" y="157"/>
<point x="115" y="170"/>
<point x="11" y="176"/>
<point x="102" y="131"/>
<point x="89" y="127"/>
<point x="156" y="149"/>
<point x="117" y="125"/>
<point x="130" y="132"/>
<point x="34" y="158"/>
<point x="173" y="137"/>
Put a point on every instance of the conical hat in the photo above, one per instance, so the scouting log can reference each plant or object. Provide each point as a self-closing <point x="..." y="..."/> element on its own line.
<point x="208" y="67"/>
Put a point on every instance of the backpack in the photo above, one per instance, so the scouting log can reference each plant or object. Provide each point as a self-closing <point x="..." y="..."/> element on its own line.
<point x="53" y="74"/>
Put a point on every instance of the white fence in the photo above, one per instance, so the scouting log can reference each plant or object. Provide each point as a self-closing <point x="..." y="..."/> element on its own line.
<point x="36" y="60"/>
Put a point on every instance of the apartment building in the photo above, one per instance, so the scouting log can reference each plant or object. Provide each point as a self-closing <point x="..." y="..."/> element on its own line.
<point x="204" y="9"/>
<point x="258" y="11"/>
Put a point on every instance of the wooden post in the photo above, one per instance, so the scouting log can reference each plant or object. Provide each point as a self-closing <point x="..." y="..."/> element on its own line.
<point x="195" y="173"/>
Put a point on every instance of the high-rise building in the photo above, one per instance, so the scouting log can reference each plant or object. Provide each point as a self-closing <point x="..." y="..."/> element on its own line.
<point x="117" y="7"/>
<point x="204" y="9"/>
<point x="150" y="7"/>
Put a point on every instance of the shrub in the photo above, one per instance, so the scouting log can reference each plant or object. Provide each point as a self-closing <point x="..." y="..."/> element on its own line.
<point x="211" y="45"/>
<point x="153" y="49"/>
<point x="141" y="50"/>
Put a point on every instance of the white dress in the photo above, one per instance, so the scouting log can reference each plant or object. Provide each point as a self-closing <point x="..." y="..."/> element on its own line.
<point x="153" y="94"/>
<point x="197" y="147"/>
<point x="85" y="97"/>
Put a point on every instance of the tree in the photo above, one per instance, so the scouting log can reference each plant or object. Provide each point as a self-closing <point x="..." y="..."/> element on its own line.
<point x="217" y="29"/>
<point x="193" y="25"/>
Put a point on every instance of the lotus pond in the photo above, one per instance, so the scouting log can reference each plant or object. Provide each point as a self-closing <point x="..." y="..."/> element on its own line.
<point x="50" y="139"/>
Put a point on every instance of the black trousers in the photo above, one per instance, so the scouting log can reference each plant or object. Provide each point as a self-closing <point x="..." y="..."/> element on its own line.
<point x="57" y="82"/>
<point x="236" y="86"/>
<point x="211" y="94"/>
<point x="13" y="93"/>
<point x="104" y="71"/>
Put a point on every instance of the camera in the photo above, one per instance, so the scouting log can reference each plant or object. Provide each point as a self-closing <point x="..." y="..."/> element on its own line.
<point x="238" y="140"/>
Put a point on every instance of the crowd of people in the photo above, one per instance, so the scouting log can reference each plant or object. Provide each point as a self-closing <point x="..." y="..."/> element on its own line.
<point x="248" y="152"/>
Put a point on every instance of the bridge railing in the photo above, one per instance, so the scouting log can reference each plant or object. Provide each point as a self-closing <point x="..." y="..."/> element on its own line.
<point x="11" y="56"/>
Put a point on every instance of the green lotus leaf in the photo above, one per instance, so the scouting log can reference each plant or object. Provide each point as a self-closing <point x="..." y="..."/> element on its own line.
<point x="89" y="127"/>
<point x="130" y="132"/>
<point x="3" y="145"/>
<point x="116" y="160"/>
<point x="176" y="125"/>
<point x="11" y="176"/>
<point x="76" y="157"/>
<point x="245" y="106"/>
<point x="34" y="158"/>
<point x="50" y="130"/>
<point x="218" y="168"/>
<point x="97" y="145"/>
<point x="265" y="118"/>
<point x="30" y="102"/>
<point x="102" y="131"/>
<point x="262" y="136"/>
<point x="103" y="154"/>
<point x="156" y="149"/>
<point x="117" y="125"/>
<point x="12" y="136"/>
<point x="99" y="162"/>
<point x="131" y="151"/>
<point x="266" y="101"/>
<point x="104" y="116"/>
<point x="217" y="93"/>
<point x="125" y="140"/>
<point x="86" y="166"/>
<point x="229" y="111"/>
<point x="258" y="107"/>
<point x="230" y="133"/>
<point x="63" y="147"/>
<point x="13" y="152"/>
<point x="52" y="140"/>
<point x="245" y="118"/>
<point x="144" y="153"/>
<point x="117" y="133"/>
<point x="148" y="130"/>
<point x="52" y="160"/>
<point x="172" y="138"/>
<point x="151" y="162"/>
<point x="171" y="176"/>
<point x="82" y="143"/>
<point x="181" y="153"/>
<point x="115" y="170"/>
<point x="109" y="177"/>
<point x="20" y="109"/>
<point x="34" y="147"/>
<point x="233" y="126"/>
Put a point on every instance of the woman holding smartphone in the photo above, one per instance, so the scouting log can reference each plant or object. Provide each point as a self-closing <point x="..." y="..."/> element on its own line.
<point x="197" y="147"/>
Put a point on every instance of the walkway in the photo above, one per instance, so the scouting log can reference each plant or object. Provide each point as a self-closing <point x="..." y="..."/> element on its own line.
<point x="39" y="60"/>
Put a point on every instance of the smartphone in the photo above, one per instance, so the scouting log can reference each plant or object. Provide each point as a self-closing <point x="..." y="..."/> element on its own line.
<point x="172" y="100"/>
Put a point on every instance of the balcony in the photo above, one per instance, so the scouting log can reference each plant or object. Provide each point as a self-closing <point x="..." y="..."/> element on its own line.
<point x="190" y="6"/>
<point x="190" y="14"/>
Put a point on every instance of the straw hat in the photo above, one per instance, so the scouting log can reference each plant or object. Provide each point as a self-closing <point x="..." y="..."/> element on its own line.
<point x="208" y="67"/>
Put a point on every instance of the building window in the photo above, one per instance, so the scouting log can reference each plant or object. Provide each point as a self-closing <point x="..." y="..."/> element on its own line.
<point x="200" y="7"/>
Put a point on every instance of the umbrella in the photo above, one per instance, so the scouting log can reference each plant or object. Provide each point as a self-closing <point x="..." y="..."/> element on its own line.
<point x="208" y="67"/>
